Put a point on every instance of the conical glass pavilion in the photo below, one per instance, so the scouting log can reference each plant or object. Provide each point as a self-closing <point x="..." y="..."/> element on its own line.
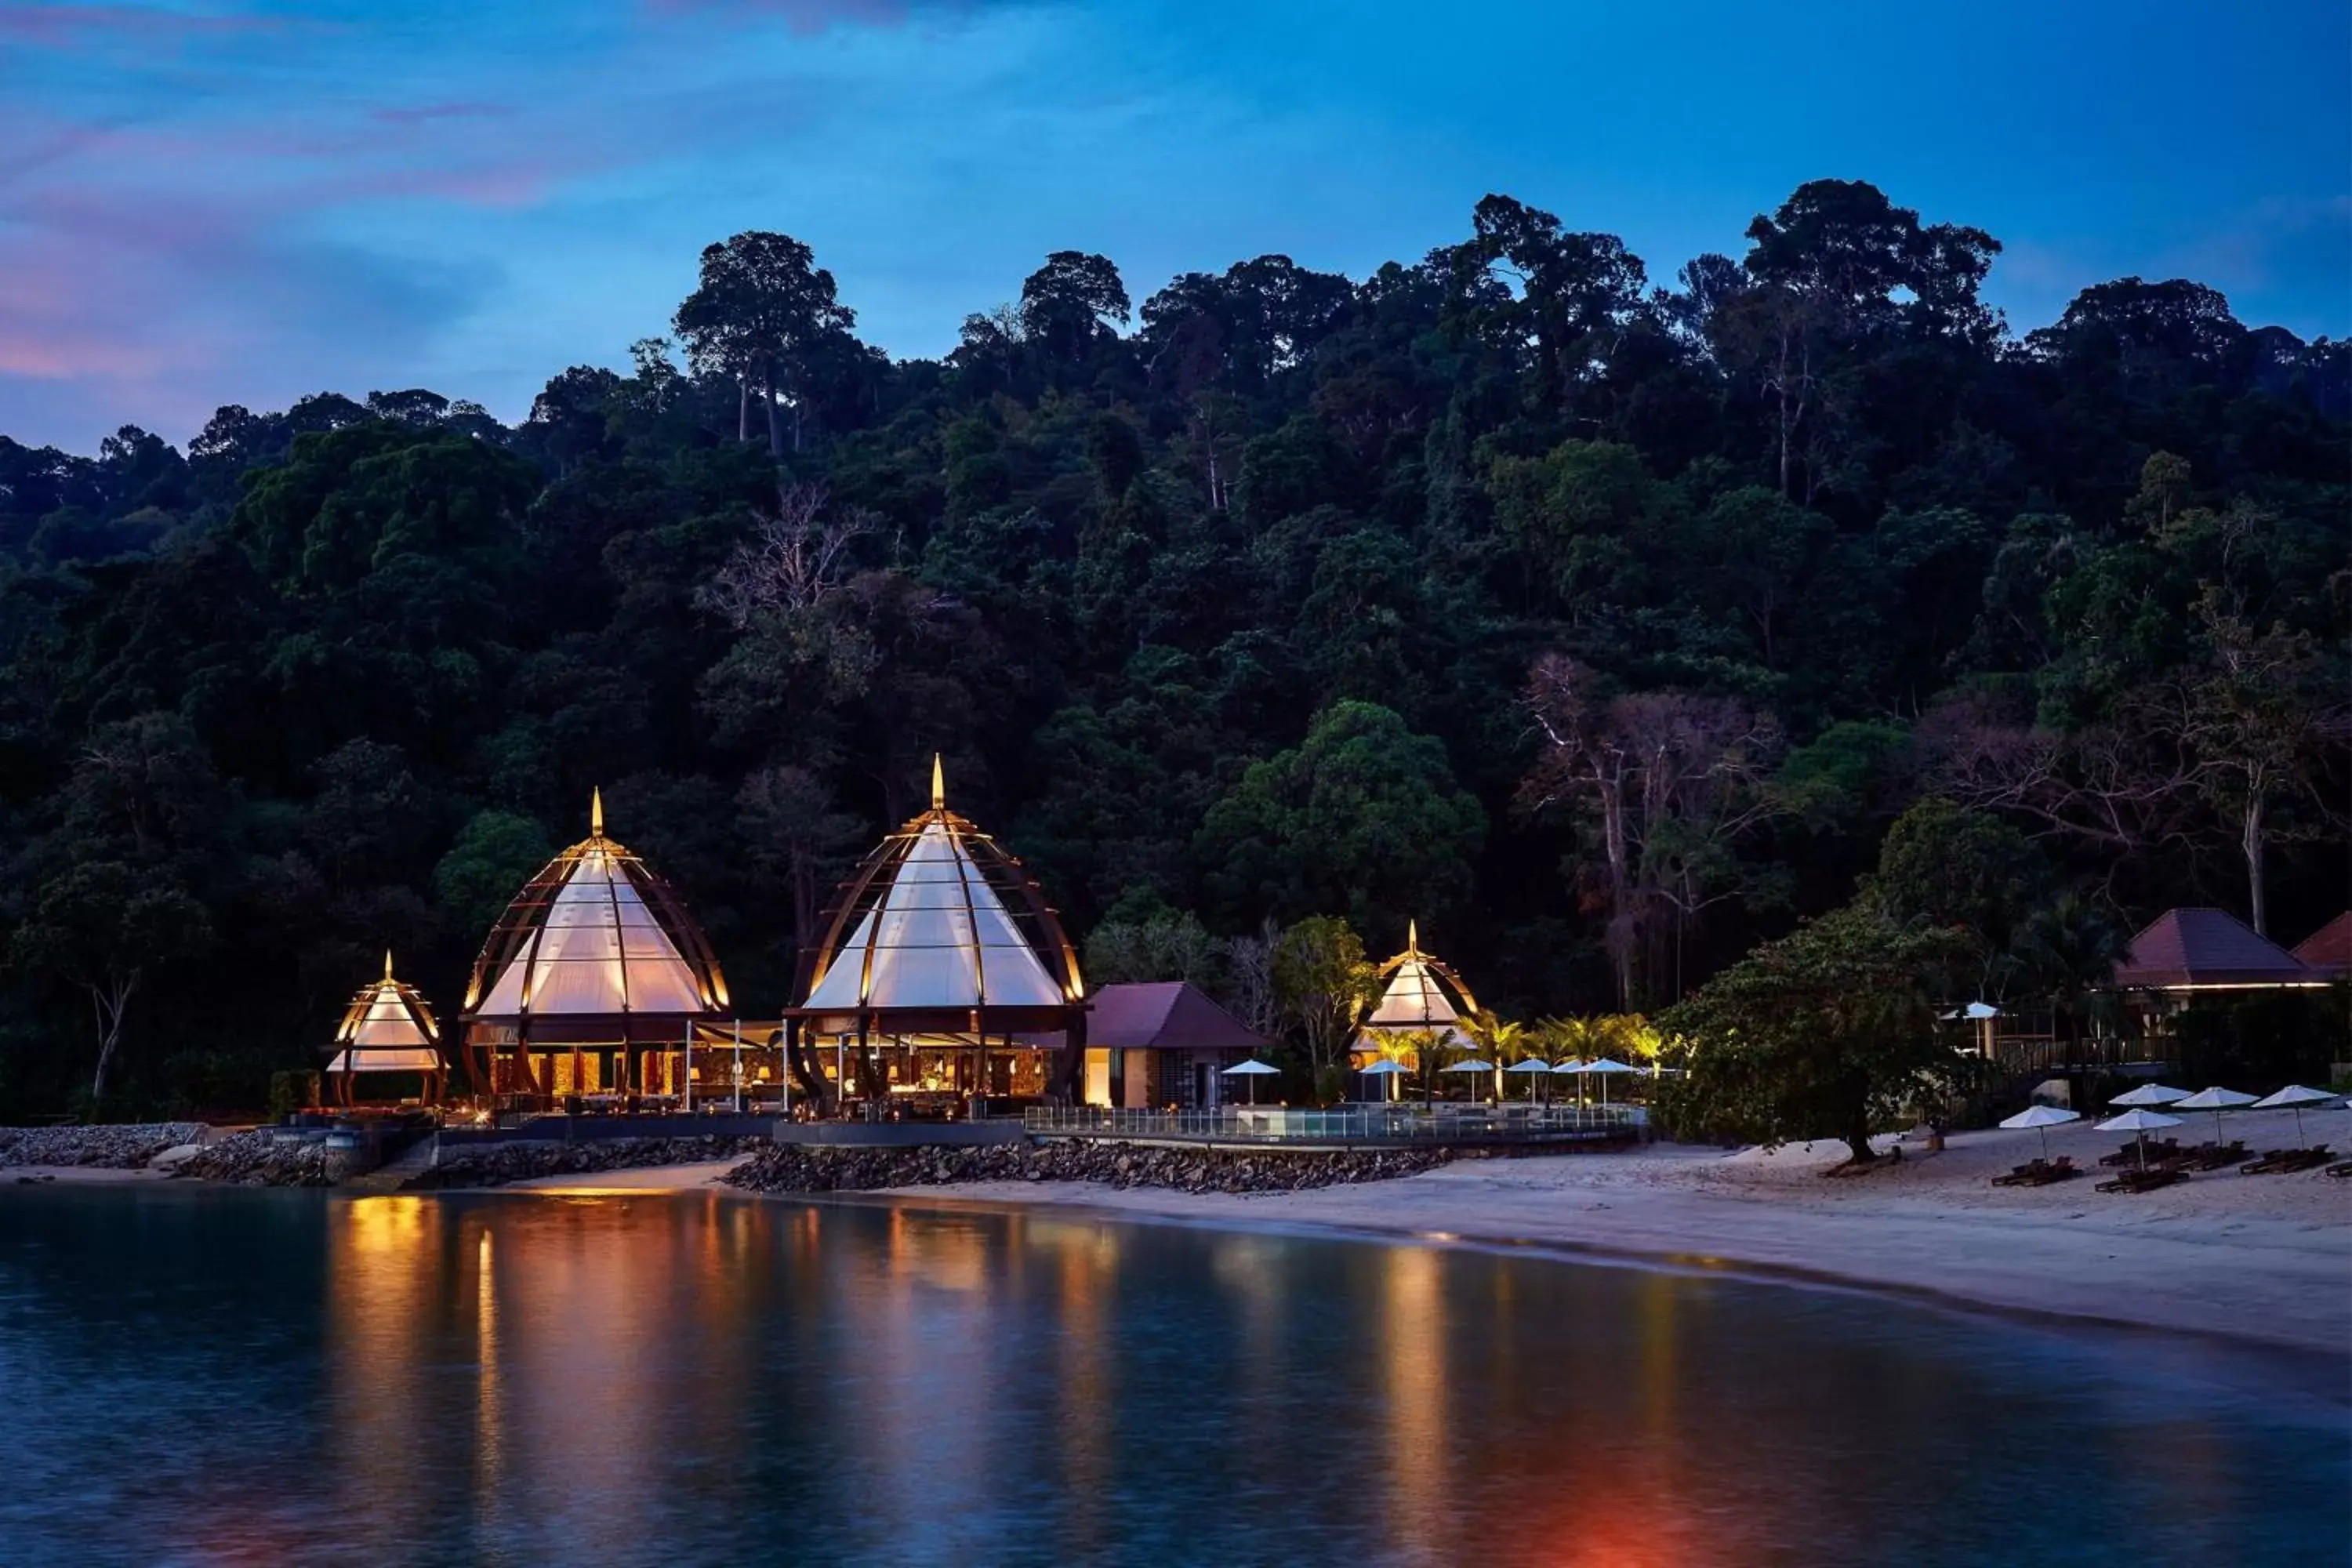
<point x="590" y="982"/>
<point x="388" y="1028"/>
<point x="942" y="974"/>
<point x="1421" y="997"/>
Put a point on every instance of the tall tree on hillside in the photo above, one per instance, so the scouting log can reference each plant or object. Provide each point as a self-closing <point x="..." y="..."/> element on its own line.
<point x="1066" y="304"/>
<point x="1661" y="785"/>
<point x="1836" y="268"/>
<point x="764" y="313"/>
<point x="1556" y="301"/>
<point x="1363" y="816"/>
<point x="797" y="835"/>
<point x="103" y="927"/>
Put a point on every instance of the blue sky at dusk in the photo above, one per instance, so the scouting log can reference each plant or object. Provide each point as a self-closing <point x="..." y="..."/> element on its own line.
<point x="209" y="204"/>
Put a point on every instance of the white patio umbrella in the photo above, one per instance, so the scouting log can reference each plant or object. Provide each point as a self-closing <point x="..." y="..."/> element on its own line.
<point x="2042" y="1117"/>
<point x="1385" y="1068"/>
<point x="1252" y="1069"/>
<point x="1473" y="1065"/>
<point x="2294" y="1096"/>
<point x="2150" y="1094"/>
<point x="1530" y="1065"/>
<point x="2141" y="1123"/>
<point x="2216" y="1101"/>
<point x="1607" y="1068"/>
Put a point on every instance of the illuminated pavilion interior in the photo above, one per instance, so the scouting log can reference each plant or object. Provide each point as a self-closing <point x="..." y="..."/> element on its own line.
<point x="1421" y="997"/>
<point x="940" y="966"/>
<point x="388" y="1030"/>
<point x="590" y="983"/>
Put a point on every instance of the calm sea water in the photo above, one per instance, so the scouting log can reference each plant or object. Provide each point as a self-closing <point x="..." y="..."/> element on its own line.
<point x="208" y="1376"/>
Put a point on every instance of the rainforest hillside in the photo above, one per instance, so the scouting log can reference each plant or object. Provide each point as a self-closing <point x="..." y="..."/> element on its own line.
<point x="1602" y="614"/>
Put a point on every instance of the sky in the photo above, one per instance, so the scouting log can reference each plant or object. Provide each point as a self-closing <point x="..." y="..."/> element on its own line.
<point x="210" y="202"/>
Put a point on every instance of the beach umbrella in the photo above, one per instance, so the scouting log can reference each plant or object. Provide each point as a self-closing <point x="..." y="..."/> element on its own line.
<point x="2150" y="1094"/>
<point x="2044" y="1118"/>
<point x="1572" y="1068"/>
<point x="1252" y="1069"/>
<point x="1473" y="1065"/>
<point x="2142" y="1122"/>
<point x="1384" y="1068"/>
<point x="2294" y="1096"/>
<point x="1607" y="1068"/>
<point x="2216" y="1101"/>
<point x="1530" y="1065"/>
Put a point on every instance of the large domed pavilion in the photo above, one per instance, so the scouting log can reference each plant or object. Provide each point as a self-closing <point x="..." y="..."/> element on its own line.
<point x="590" y="982"/>
<point x="942" y="973"/>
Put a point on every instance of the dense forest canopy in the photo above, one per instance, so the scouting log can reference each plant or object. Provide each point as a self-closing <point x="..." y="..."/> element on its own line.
<point x="1605" y="623"/>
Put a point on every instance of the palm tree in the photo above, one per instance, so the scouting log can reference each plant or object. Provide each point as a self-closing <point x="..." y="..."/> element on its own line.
<point x="1566" y="1039"/>
<point x="1496" y="1038"/>
<point x="2068" y="952"/>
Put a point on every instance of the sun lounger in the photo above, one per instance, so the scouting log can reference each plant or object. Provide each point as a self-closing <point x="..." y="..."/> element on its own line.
<point x="2142" y="1180"/>
<point x="2058" y="1169"/>
<point x="2039" y="1172"/>
<point x="2158" y="1152"/>
<point x="2341" y="1168"/>
<point x="2286" y="1162"/>
<point x="2209" y="1157"/>
<point x="2021" y="1175"/>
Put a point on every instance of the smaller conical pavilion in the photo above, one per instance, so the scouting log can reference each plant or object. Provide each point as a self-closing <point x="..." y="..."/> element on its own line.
<point x="1421" y="997"/>
<point x="388" y="1028"/>
<point x="1420" y="992"/>
<point x="943" y="946"/>
<point x="595" y="960"/>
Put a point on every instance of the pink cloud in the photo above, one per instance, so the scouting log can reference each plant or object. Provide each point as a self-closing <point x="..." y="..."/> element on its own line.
<point x="127" y="269"/>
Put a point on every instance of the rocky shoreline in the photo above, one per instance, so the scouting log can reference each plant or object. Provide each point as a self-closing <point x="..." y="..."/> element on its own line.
<point x="124" y="1147"/>
<point x="258" y="1159"/>
<point x="496" y="1165"/>
<point x="818" y="1168"/>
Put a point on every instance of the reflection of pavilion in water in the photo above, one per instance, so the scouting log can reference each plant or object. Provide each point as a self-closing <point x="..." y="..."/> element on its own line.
<point x="575" y="1407"/>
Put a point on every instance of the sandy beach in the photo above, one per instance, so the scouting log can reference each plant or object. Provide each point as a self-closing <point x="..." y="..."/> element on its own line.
<point x="2260" y="1258"/>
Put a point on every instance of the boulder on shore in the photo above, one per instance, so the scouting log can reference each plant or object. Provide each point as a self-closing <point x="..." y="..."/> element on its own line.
<point x="259" y="1159"/>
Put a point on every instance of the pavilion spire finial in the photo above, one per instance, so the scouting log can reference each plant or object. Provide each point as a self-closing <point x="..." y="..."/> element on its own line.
<point x="387" y="964"/>
<point x="596" y="811"/>
<point x="939" y="784"/>
<point x="1412" y="936"/>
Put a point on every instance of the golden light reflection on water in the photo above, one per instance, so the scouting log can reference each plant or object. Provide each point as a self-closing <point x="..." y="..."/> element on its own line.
<point x="1413" y="1339"/>
<point x="1088" y="1258"/>
<point x="381" y="1305"/>
<point x="617" y="1364"/>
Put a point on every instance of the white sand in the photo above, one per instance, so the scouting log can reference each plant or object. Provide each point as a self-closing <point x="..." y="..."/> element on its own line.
<point x="2267" y="1258"/>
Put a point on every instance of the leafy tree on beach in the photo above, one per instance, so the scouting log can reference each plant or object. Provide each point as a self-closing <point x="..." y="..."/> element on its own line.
<point x="1821" y="1034"/>
<point x="1322" y="979"/>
